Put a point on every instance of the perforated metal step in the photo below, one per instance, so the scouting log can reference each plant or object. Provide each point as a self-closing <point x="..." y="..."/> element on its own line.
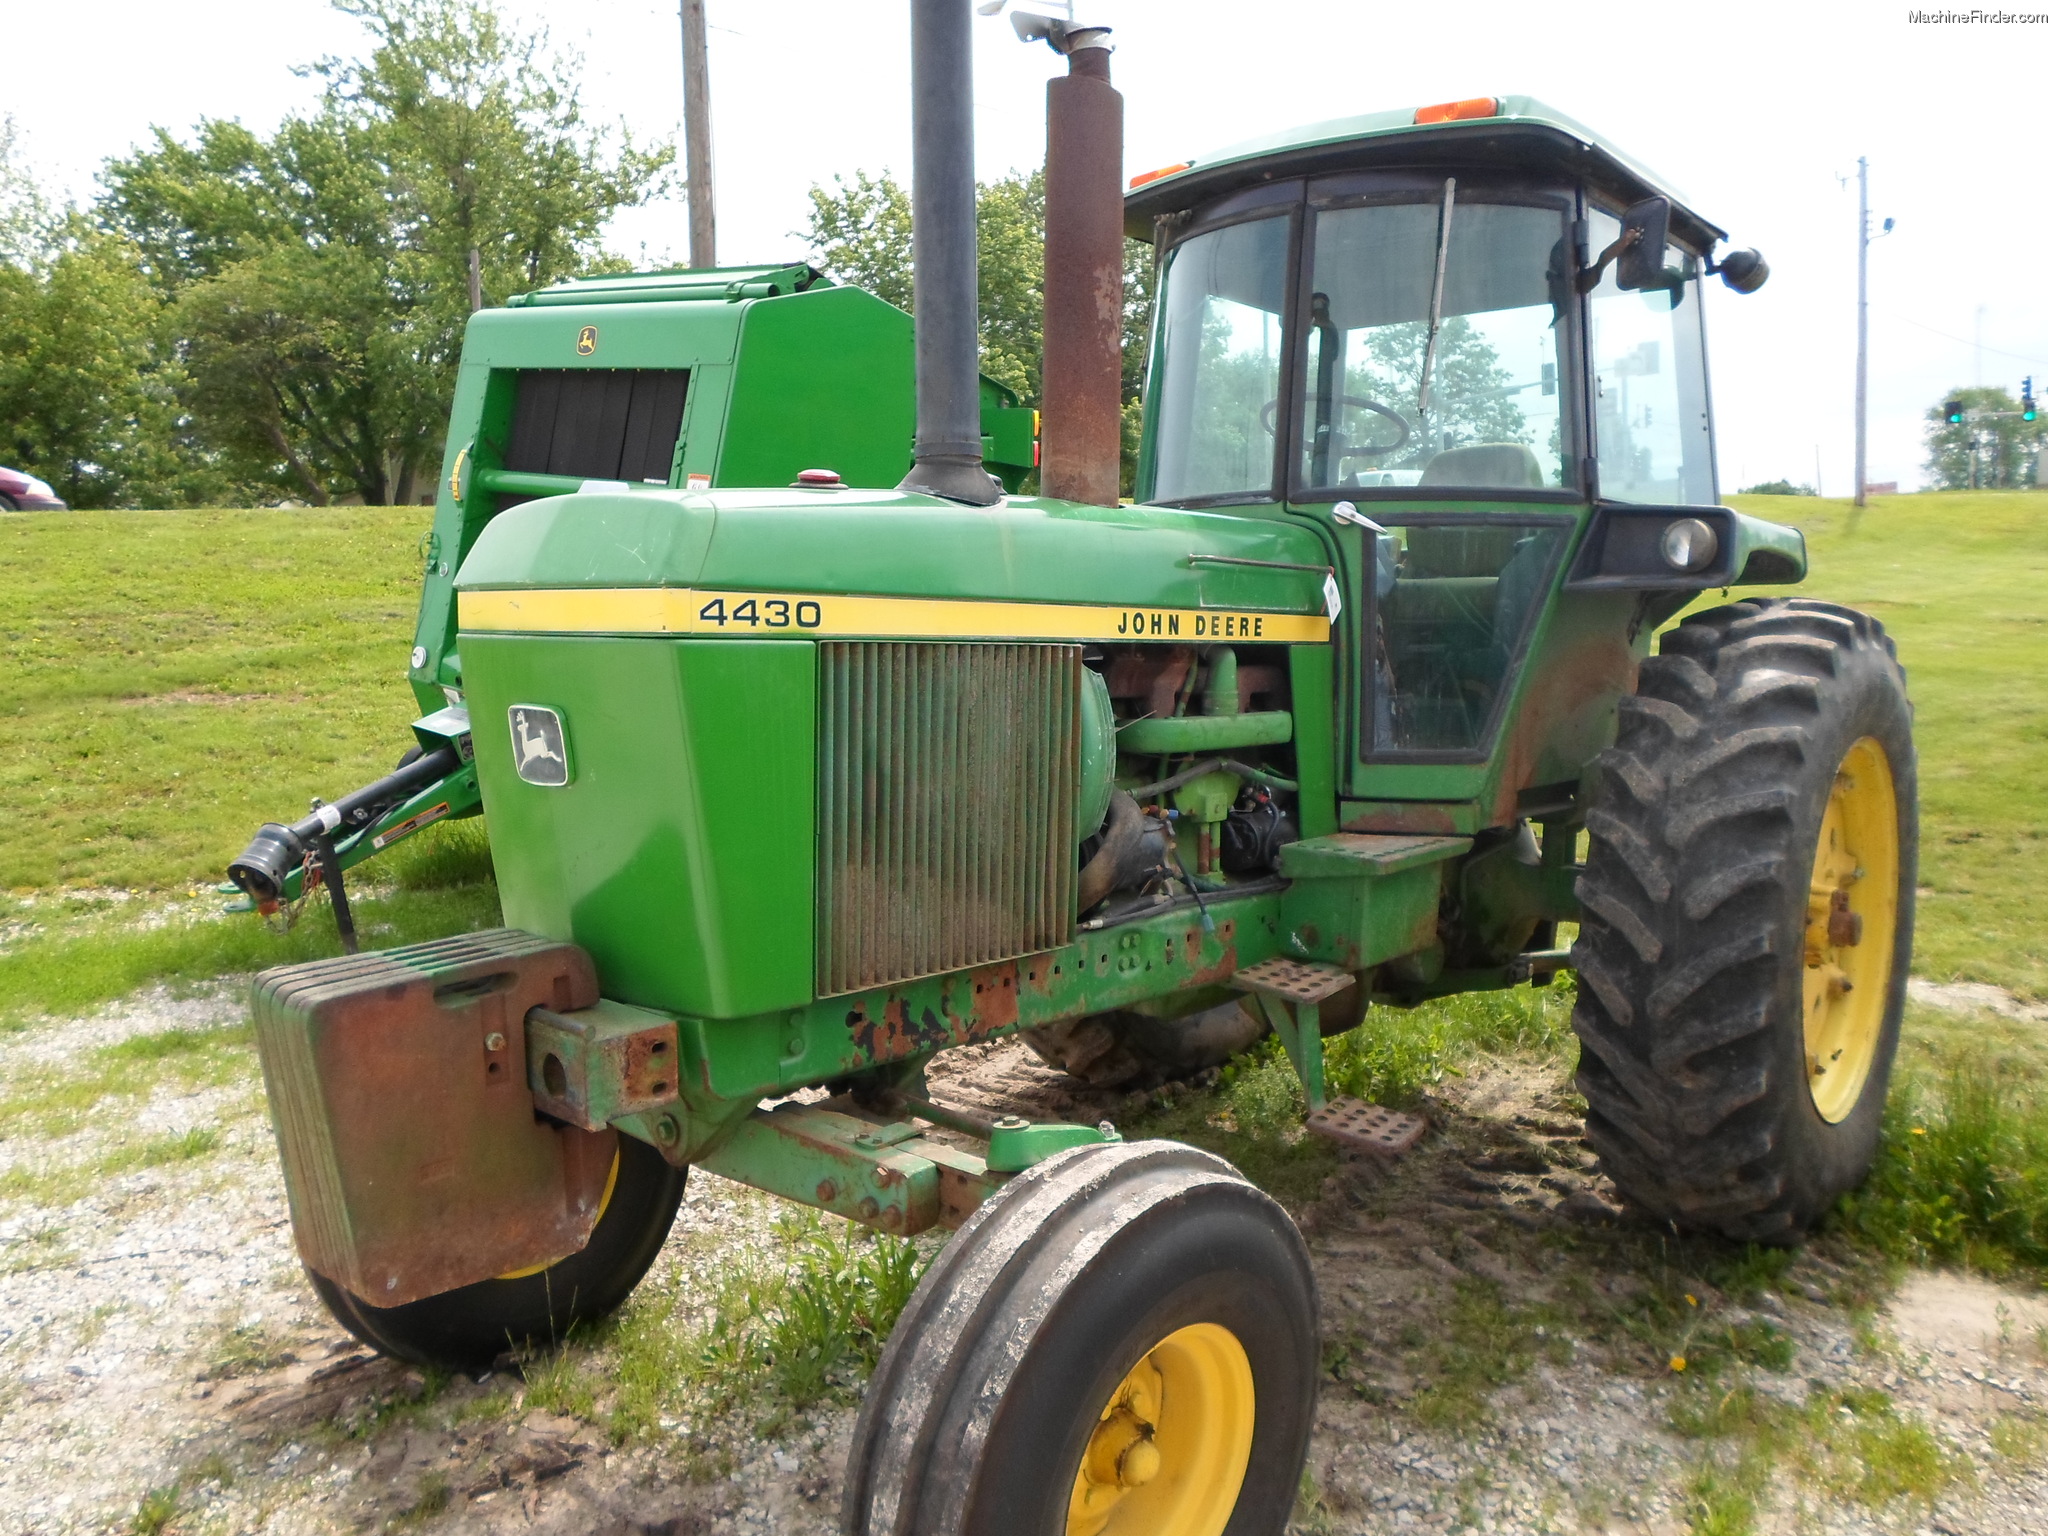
<point x="1368" y="1127"/>
<point x="1293" y="981"/>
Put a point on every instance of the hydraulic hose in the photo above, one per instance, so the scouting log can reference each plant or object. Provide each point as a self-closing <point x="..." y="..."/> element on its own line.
<point x="1212" y="765"/>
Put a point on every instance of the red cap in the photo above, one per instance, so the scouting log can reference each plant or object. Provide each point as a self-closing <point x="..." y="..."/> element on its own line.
<point x="821" y="479"/>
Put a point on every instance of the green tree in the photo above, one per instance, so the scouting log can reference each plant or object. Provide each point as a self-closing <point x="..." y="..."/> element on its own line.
<point x="860" y="233"/>
<point x="322" y="277"/>
<point x="27" y="221"/>
<point x="1988" y="451"/>
<point x="89" y="378"/>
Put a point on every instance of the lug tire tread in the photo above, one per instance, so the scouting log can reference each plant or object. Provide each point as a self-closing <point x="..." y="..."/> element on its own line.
<point x="1690" y="955"/>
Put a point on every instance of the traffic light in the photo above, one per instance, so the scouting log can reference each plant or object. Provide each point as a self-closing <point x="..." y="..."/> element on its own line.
<point x="1954" y="412"/>
<point x="2027" y="411"/>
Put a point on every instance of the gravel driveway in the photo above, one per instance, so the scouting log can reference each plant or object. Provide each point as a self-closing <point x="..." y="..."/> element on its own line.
<point x="1496" y="1360"/>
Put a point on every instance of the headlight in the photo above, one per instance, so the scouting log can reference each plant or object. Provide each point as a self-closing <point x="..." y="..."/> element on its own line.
<point x="1689" y="545"/>
<point x="39" y="487"/>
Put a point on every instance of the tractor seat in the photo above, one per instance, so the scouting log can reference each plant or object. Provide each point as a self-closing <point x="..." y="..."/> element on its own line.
<point x="1506" y="465"/>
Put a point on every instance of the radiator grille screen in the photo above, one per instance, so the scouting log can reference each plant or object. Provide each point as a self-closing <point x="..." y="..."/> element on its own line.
<point x="946" y="789"/>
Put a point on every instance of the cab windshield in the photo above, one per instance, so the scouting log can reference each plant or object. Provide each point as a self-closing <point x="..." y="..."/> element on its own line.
<point x="1433" y="350"/>
<point x="1432" y="353"/>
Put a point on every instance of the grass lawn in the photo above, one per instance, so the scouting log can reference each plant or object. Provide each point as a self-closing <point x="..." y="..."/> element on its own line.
<point x="1958" y="579"/>
<point x="170" y="680"/>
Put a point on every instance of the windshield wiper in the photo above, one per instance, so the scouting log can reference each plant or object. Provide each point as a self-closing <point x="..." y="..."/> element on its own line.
<point x="1436" y="295"/>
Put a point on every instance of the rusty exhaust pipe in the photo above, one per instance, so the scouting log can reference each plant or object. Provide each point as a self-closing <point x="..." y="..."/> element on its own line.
<point x="947" y="458"/>
<point x="1082" y="412"/>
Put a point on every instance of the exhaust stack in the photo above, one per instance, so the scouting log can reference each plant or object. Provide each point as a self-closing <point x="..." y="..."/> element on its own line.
<point x="1082" y="427"/>
<point x="947" y="458"/>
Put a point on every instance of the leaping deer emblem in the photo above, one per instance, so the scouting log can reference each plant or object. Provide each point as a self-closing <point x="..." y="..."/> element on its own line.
<point x="533" y="744"/>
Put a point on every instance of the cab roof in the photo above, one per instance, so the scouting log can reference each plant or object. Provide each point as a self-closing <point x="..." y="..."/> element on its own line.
<point x="1521" y="134"/>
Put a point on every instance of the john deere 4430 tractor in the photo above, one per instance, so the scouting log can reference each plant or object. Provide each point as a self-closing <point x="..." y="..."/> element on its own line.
<point x="792" y="787"/>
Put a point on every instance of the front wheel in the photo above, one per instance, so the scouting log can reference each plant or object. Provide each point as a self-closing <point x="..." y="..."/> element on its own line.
<point x="1748" y="918"/>
<point x="469" y="1327"/>
<point x="1122" y="1342"/>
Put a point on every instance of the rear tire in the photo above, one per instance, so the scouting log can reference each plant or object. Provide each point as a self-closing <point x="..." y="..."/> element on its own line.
<point x="1765" y="763"/>
<point x="467" y="1328"/>
<point x="1121" y="1342"/>
<point x="1135" y="1050"/>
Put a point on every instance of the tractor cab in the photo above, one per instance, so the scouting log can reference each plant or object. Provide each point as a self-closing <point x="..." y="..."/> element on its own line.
<point x="1401" y="307"/>
<point x="1457" y="328"/>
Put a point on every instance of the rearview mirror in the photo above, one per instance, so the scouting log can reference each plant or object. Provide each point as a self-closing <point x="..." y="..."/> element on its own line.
<point x="1641" y="264"/>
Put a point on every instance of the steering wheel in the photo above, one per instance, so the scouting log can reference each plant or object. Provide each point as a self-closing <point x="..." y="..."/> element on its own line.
<point x="1370" y="451"/>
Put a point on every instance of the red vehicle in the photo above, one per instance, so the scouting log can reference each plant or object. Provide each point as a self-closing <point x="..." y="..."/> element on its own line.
<point x="21" y="492"/>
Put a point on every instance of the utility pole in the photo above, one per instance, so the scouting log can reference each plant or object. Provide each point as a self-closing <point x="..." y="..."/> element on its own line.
<point x="697" y="138"/>
<point x="1862" y="322"/>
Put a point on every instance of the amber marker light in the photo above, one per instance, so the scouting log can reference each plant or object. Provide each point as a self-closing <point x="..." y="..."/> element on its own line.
<point x="1165" y="170"/>
<point x="1458" y="111"/>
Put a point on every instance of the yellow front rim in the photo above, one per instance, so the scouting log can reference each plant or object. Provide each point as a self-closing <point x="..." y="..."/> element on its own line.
<point x="1852" y="923"/>
<point x="1170" y="1447"/>
<point x="611" y="1181"/>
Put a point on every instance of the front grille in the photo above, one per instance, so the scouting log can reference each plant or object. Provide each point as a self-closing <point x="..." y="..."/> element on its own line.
<point x="946" y="788"/>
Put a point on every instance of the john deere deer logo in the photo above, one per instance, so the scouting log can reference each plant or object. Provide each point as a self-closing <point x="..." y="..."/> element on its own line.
<point x="586" y="341"/>
<point x="540" y="752"/>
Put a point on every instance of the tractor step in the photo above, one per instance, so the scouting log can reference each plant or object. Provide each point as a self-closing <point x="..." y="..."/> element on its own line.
<point x="1293" y="981"/>
<point x="1367" y="1127"/>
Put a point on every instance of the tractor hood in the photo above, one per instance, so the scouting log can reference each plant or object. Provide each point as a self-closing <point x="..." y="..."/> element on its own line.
<point x="634" y="562"/>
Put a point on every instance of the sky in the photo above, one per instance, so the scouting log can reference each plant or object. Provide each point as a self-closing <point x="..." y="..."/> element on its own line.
<point x="1756" y="118"/>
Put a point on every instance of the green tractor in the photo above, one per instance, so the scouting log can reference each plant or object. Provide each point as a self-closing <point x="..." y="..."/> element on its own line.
<point x="792" y="788"/>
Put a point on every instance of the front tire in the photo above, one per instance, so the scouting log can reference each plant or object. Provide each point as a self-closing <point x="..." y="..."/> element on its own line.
<point x="1748" y="918"/>
<point x="1121" y="1342"/>
<point x="469" y="1327"/>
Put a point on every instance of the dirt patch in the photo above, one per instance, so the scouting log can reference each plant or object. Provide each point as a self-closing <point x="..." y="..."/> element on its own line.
<point x="1973" y="997"/>
<point x="1506" y="1350"/>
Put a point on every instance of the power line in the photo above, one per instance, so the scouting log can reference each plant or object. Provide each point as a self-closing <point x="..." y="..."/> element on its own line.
<point x="1966" y="342"/>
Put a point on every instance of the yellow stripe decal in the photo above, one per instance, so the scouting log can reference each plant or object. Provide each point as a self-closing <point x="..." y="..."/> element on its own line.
<point x="692" y="611"/>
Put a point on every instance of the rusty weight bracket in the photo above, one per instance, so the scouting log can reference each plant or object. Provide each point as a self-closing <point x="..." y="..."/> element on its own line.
<point x="595" y="1065"/>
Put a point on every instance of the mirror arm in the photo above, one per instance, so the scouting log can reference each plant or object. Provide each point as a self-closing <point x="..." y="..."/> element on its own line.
<point x="1589" y="277"/>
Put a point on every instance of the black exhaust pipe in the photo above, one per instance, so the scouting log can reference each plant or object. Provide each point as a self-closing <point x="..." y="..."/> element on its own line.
<point x="947" y="458"/>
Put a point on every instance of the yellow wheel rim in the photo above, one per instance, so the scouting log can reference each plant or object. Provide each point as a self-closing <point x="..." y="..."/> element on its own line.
<point x="1852" y="923"/>
<point x="611" y="1182"/>
<point x="1169" y="1450"/>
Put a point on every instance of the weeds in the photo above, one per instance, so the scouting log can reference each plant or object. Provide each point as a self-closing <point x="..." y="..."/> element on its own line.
<point x="1253" y="1116"/>
<point x="1851" y="1443"/>
<point x="1962" y="1175"/>
<point x="1482" y="1344"/>
<point x="66" y="1183"/>
<point x="431" y="1497"/>
<point x="248" y="1348"/>
<point x="2020" y="1441"/>
<point x="782" y="1331"/>
<point x="1397" y="1055"/>
<point x="159" y="1507"/>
